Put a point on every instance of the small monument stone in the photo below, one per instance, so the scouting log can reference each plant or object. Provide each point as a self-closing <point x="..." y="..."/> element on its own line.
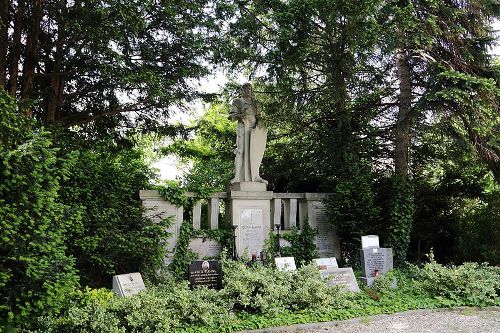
<point x="206" y="273"/>
<point x="343" y="277"/>
<point x="285" y="263"/>
<point x="128" y="284"/>
<point x="326" y="263"/>
<point x="375" y="261"/>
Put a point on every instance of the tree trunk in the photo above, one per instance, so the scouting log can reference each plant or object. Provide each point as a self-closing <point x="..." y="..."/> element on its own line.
<point x="31" y="55"/>
<point x="16" y="49"/>
<point x="403" y="123"/>
<point x="56" y="91"/>
<point x="4" y="39"/>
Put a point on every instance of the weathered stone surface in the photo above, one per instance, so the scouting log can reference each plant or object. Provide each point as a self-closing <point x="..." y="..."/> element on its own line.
<point x="376" y="261"/>
<point x="327" y="241"/>
<point x="205" y="248"/>
<point x="343" y="277"/>
<point x="128" y="284"/>
<point x="326" y="263"/>
<point x="285" y="263"/>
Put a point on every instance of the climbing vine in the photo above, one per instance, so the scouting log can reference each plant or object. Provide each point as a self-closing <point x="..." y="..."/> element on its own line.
<point x="401" y="214"/>
<point x="302" y="246"/>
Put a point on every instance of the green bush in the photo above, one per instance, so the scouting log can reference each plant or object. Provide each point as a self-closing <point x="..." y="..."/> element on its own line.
<point x="261" y="289"/>
<point x="159" y="309"/>
<point x="36" y="273"/>
<point x="470" y="284"/>
<point x="112" y="237"/>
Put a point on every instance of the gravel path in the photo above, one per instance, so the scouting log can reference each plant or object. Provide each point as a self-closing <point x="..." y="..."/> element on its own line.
<point x="460" y="320"/>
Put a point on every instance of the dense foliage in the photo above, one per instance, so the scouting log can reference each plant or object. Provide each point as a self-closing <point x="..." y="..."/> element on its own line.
<point x="259" y="296"/>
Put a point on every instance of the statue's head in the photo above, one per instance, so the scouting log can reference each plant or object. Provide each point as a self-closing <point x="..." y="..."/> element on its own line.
<point x="246" y="90"/>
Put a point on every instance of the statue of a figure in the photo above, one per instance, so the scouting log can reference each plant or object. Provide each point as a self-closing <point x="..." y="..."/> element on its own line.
<point x="251" y="137"/>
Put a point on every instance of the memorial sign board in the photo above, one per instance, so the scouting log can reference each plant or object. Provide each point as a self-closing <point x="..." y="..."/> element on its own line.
<point x="376" y="261"/>
<point x="205" y="273"/>
<point x="252" y="231"/>
<point x="326" y="263"/>
<point x="343" y="277"/>
<point x="285" y="263"/>
<point x="128" y="284"/>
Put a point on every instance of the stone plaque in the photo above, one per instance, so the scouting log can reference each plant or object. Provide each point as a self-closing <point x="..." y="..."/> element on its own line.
<point x="376" y="261"/>
<point x="369" y="241"/>
<point x="128" y="284"/>
<point x="205" y="247"/>
<point x="252" y="231"/>
<point x="326" y="263"/>
<point x="343" y="277"/>
<point x="205" y="273"/>
<point x="327" y="241"/>
<point x="285" y="263"/>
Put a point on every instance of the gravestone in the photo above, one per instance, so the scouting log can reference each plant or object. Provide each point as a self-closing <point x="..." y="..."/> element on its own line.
<point x="326" y="263"/>
<point x="327" y="240"/>
<point x="206" y="273"/>
<point x="375" y="261"/>
<point x="128" y="284"/>
<point x="343" y="277"/>
<point x="285" y="263"/>
<point x="205" y="248"/>
<point x="369" y="241"/>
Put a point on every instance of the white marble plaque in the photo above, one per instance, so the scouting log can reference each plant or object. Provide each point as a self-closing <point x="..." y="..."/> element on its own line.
<point x="369" y="241"/>
<point x="326" y="263"/>
<point x="252" y="231"/>
<point x="205" y="247"/>
<point x="285" y="263"/>
<point x="128" y="284"/>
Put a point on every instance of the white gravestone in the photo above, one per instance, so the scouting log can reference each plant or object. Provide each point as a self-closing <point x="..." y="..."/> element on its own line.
<point x="128" y="284"/>
<point x="252" y="231"/>
<point x="369" y="241"/>
<point x="285" y="263"/>
<point x="326" y="263"/>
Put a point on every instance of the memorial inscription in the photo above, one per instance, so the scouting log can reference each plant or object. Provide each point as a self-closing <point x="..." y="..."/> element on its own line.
<point x="128" y="284"/>
<point x="252" y="230"/>
<point x="343" y="277"/>
<point x="205" y="273"/>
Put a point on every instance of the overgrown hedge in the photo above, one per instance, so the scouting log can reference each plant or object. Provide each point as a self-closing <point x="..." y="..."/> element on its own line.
<point x="257" y="297"/>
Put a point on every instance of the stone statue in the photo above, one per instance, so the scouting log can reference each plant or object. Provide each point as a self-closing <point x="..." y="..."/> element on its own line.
<point x="251" y="137"/>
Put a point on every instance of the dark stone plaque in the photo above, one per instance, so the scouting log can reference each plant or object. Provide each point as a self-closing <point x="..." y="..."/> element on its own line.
<point x="205" y="273"/>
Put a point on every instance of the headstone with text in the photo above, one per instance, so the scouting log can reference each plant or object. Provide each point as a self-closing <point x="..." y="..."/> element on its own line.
<point x="375" y="261"/>
<point x="343" y="277"/>
<point x="326" y="263"/>
<point x="206" y="273"/>
<point x="285" y="263"/>
<point x="128" y="284"/>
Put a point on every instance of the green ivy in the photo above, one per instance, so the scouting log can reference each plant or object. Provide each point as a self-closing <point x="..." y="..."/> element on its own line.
<point x="401" y="213"/>
<point x="302" y="248"/>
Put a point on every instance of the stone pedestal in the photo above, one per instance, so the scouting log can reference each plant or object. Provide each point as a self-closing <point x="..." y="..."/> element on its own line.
<point x="250" y="211"/>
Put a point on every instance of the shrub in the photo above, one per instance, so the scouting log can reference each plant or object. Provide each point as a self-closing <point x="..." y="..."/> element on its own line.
<point x="159" y="309"/>
<point x="36" y="273"/>
<point x="470" y="284"/>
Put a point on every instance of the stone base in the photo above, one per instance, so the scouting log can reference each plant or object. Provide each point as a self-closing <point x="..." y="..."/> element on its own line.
<point x="368" y="280"/>
<point x="248" y="186"/>
<point x="250" y="212"/>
